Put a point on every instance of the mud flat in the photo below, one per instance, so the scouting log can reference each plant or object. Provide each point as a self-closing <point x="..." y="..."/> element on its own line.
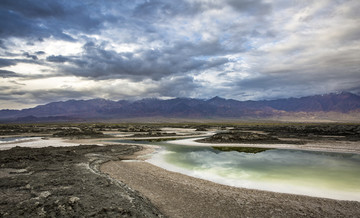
<point x="66" y="182"/>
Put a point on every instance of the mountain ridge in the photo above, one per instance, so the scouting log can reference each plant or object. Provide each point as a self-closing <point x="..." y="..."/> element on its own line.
<point x="184" y="108"/>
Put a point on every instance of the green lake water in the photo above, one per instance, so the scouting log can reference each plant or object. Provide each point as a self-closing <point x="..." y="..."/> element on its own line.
<point x="319" y="174"/>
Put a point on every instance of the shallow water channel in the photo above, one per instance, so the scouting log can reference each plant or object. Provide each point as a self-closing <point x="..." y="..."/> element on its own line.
<point x="320" y="174"/>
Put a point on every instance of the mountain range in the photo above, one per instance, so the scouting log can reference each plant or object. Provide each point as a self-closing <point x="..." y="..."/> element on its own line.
<point x="101" y="109"/>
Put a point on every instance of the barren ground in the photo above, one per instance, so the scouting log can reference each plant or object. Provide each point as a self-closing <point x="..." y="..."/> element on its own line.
<point x="93" y="181"/>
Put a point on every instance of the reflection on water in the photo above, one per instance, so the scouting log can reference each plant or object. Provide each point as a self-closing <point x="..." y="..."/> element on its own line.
<point x="241" y="149"/>
<point x="12" y="139"/>
<point x="322" y="174"/>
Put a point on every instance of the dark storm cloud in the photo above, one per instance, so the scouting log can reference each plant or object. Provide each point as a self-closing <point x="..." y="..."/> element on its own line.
<point x="46" y="96"/>
<point x="319" y="74"/>
<point x="97" y="62"/>
<point x="35" y="9"/>
<point x="159" y="10"/>
<point x="2" y="44"/>
<point x="57" y="59"/>
<point x="13" y="24"/>
<point x="34" y="57"/>
<point x="40" y="53"/>
<point x="44" y="18"/>
<point x="152" y="10"/>
<point x="11" y="62"/>
<point x="182" y="86"/>
<point x="7" y="74"/>
<point x="6" y="62"/>
<point x="254" y="8"/>
<point x="202" y="48"/>
<point x="41" y="96"/>
<point x="17" y="83"/>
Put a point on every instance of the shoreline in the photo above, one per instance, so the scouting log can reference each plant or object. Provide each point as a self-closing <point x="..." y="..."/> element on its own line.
<point x="223" y="177"/>
<point x="323" y="146"/>
<point x="179" y="195"/>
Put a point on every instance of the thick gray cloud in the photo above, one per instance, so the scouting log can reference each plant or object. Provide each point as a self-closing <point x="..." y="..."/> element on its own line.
<point x="34" y="57"/>
<point x="57" y="59"/>
<point x="100" y="63"/>
<point x="6" y="62"/>
<point x="7" y="73"/>
<point x="253" y="8"/>
<point x="242" y="49"/>
<point x="40" y="53"/>
<point x="45" y="18"/>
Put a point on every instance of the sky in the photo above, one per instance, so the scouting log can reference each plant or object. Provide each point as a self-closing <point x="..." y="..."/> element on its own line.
<point x="56" y="50"/>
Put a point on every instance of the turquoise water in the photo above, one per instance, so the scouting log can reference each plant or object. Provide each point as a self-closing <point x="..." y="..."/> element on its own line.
<point x="320" y="174"/>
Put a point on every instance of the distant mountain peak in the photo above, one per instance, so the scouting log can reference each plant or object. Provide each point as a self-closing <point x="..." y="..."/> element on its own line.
<point x="216" y="98"/>
<point x="339" y="95"/>
<point x="149" y="100"/>
<point x="343" y="102"/>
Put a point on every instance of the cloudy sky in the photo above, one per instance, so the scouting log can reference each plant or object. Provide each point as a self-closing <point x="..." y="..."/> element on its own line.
<point x="53" y="50"/>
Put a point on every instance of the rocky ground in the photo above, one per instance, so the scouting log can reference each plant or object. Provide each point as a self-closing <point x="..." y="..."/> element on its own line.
<point x="336" y="132"/>
<point x="66" y="182"/>
<point x="299" y="134"/>
<point x="241" y="137"/>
